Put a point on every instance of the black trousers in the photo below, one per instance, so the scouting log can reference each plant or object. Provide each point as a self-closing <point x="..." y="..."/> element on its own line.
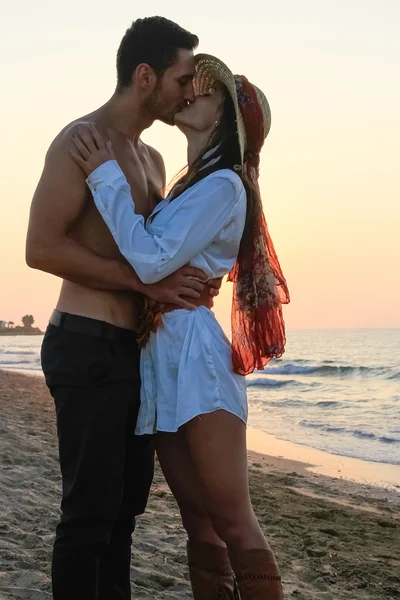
<point x="106" y="470"/>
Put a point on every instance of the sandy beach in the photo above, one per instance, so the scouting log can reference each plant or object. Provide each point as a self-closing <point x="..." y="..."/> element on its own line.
<point x="335" y="538"/>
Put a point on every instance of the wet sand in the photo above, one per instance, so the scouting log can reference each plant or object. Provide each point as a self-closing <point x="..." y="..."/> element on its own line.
<point x="385" y="478"/>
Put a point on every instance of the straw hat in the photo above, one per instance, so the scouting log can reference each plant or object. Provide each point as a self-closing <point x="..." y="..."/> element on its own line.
<point x="208" y="70"/>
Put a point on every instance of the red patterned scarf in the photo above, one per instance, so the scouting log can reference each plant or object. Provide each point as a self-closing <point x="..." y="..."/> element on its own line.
<point x="260" y="289"/>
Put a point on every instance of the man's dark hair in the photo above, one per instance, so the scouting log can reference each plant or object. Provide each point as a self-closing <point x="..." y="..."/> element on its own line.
<point x="154" y="41"/>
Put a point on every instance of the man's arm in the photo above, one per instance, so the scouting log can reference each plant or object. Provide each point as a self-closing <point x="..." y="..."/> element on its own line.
<point x="58" y="202"/>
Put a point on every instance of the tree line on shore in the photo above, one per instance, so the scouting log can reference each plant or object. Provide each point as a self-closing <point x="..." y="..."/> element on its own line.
<point x="8" y="327"/>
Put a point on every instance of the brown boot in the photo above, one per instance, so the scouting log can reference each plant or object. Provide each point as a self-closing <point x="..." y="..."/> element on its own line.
<point x="257" y="574"/>
<point x="210" y="572"/>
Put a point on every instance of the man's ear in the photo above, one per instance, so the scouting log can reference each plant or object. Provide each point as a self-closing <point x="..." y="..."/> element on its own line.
<point x="145" y="77"/>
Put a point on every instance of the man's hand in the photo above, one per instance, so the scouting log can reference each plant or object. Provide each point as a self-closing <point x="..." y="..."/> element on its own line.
<point x="214" y="285"/>
<point x="172" y="290"/>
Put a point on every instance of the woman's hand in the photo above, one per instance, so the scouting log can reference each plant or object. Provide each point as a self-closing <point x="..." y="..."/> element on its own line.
<point x="90" y="150"/>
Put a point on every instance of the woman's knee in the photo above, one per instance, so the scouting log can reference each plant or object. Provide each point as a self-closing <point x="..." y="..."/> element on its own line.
<point x="196" y="521"/>
<point x="234" y="524"/>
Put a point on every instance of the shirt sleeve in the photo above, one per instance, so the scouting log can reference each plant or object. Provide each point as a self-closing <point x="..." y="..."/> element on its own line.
<point x="205" y="210"/>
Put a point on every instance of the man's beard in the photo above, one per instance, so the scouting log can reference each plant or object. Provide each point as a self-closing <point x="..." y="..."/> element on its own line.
<point x="154" y="104"/>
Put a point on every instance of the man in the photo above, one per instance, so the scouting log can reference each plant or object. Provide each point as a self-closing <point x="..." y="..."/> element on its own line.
<point x="89" y="355"/>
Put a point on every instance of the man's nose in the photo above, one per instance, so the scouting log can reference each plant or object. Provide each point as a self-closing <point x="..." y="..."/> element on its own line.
<point x="189" y="93"/>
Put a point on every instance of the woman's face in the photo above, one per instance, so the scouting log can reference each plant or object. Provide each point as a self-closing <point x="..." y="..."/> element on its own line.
<point x="202" y="114"/>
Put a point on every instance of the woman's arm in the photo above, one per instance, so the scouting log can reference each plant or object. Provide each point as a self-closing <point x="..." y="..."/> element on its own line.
<point x="154" y="257"/>
<point x="204" y="212"/>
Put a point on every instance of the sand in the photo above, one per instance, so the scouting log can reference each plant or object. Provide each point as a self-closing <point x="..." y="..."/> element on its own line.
<point x="334" y="539"/>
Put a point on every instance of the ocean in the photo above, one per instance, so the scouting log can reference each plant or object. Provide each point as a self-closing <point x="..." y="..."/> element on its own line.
<point x="334" y="390"/>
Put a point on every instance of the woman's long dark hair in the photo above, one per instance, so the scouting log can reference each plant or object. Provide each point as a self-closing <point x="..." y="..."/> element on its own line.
<point x="259" y="287"/>
<point x="226" y="138"/>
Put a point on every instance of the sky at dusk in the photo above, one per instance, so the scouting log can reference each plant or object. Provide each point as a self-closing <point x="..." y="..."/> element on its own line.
<point x="330" y="166"/>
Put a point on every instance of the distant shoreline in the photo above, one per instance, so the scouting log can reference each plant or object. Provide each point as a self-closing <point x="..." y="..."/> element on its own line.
<point x="20" y="331"/>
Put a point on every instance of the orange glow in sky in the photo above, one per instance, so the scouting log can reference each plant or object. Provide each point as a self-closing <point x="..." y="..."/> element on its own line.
<point x="330" y="167"/>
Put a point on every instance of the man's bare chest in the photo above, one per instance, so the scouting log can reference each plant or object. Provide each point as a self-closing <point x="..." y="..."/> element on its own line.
<point x="144" y="178"/>
<point x="146" y="189"/>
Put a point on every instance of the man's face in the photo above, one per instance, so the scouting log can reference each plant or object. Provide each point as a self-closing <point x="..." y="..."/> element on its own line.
<point x="174" y="89"/>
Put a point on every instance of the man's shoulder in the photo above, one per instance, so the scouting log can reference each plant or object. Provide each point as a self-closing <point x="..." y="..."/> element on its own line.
<point x="62" y="141"/>
<point x="58" y="165"/>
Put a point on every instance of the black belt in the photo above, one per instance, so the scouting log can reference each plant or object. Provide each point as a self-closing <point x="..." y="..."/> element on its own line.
<point x="87" y="326"/>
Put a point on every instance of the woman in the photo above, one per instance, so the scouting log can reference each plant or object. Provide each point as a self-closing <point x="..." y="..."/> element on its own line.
<point x="193" y="385"/>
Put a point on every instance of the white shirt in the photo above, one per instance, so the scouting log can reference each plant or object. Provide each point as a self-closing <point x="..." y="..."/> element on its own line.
<point x="203" y="226"/>
<point x="186" y="366"/>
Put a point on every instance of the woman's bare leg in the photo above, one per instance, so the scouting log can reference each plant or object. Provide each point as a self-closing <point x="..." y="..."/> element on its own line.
<point x="209" y="565"/>
<point x="217" y="443"/>
<point x="206" y="465"/>
<point x="180" y="474"/>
